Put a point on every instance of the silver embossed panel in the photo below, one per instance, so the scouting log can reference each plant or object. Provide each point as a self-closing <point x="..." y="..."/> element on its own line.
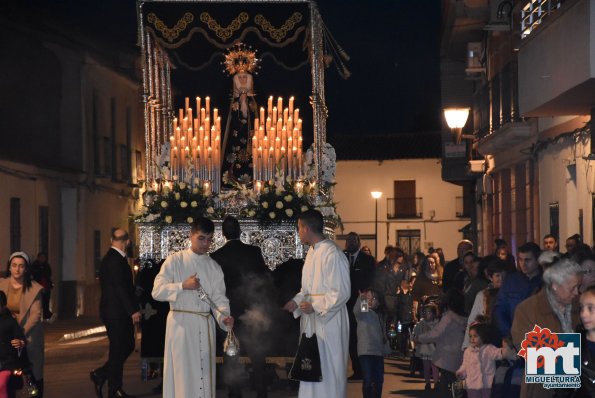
<point x="278" y="242"/>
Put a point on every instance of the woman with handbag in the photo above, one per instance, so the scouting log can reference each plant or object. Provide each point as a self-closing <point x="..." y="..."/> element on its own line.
<point x="12" y="341"/>
<point x="24" y="301"/>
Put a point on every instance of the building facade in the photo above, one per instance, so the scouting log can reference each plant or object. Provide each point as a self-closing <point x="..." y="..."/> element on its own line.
<point x="417" y="210"/>
<point x="530" y="66"/>
<point x="72" y="152"/>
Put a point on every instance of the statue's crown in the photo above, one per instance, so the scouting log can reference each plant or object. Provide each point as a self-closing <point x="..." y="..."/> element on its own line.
<point x="240" y="59"/>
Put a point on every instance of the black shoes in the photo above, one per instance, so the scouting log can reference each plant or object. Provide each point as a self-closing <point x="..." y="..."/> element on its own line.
<point x="98" y="381"/>
<point x="355" y="377"/>
<point x="120" y="394"/>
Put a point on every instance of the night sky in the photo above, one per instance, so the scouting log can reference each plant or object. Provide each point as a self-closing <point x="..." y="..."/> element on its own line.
<point x="393" y="44"/>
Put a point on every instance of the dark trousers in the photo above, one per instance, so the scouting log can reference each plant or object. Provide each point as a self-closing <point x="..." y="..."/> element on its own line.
<point x="373" y="375"/>
<point x="233" y="370"/>
<point x="357" y="369"/>
<point x="45" y="301"/>
<point x="232" y="374"/>
<point x="403" y="339"/>
<point x="446" y="378"/>
<point x="120" y="333"/>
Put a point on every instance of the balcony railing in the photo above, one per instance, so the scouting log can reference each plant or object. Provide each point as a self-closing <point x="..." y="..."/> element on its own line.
<point x="534" y="12"/>
<point x="404" y="208"/>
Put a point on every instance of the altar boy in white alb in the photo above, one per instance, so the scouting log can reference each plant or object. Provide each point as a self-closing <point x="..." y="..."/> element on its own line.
<point x="189" y="359"/>
<point x="321" y="305"/>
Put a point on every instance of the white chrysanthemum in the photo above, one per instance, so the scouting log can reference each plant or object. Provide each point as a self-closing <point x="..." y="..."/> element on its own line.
<point x="272" y="215"/>
<point x="288" y="198"/>
<point x="182" y="185"/>
<point x="210" y="210"/>
<point x="164" y="204"/>
<point x="177" y="196"/>
<point x="251" y="213"/>
<point x="289" y="212"/>
<point x="183" y="204"/>
<point x="279" y="204"/>
<point x="190" y="220"/>
<point x="265" y="205"/>
<point x="304" y="208"/>
<point x="193" y="203"/>
<point x="168" y="219"/>
<point x="195" y="190"/>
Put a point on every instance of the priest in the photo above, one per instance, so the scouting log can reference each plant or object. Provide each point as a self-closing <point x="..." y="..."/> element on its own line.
<point x="321" y="305"/>
<point x="189" y="358"/>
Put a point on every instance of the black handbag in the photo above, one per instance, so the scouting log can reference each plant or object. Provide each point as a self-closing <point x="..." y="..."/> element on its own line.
<point x="306" y="364"/>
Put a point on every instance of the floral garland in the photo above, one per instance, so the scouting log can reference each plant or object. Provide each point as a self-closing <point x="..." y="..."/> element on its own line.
<point x="279" y="200"/>
<point x="181" y="204"/>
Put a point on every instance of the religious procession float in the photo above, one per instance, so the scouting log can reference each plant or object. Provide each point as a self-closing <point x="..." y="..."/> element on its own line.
<point x="235" y="122"/>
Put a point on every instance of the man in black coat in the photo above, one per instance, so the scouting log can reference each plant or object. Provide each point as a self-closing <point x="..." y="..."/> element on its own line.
<point x="361" y="272"/>
<point x="453" y="267"/>
<point x="119" y="311"/>
<point x="248" y="286"/>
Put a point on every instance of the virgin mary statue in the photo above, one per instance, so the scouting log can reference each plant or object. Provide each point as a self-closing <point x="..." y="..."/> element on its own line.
<point x="240" y="62"/>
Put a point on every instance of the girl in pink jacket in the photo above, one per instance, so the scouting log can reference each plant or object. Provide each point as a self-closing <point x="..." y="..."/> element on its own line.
<point x="479" y="361"/>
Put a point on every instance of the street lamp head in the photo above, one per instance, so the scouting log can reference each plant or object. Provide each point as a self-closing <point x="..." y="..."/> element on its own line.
<point x="376" y="194"/>
<point x="456" y="117"/>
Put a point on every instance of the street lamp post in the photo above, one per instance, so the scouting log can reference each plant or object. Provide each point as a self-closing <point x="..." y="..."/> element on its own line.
<point x="376" y="195"/>
<point x="456" y="118"/>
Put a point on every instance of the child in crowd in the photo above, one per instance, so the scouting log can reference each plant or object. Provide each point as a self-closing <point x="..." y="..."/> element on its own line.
<point x="404" y="315"/>
<point x="426" y="350"/>
<point x="370" y="342"/>
<point x="479" y="361"/>
<point x="12" y="340"/>
<point x="587" y="331"/>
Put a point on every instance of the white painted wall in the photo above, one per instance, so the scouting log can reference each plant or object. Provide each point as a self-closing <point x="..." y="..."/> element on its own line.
<point x="356" y="179"/>
<point x="556" y="185"/>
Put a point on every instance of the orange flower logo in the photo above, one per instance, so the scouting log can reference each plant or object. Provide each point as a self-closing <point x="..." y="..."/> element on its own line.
<point x="538" y="338"/>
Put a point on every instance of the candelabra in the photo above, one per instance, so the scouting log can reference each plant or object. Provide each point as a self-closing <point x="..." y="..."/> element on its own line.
<point x="277" y="141"/>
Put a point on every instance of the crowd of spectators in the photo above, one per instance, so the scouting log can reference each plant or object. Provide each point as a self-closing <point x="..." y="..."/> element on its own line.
<point x="447" y="316"/>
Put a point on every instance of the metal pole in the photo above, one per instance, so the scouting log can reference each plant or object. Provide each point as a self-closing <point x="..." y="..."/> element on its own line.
<point x="376" y="231"/>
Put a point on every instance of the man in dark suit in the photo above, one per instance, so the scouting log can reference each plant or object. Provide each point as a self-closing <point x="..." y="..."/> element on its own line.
<point x="361" y="272"/>
<point x="453" y="267"/>
<point x="119" y="311"/>
<point x="248" y="286"/>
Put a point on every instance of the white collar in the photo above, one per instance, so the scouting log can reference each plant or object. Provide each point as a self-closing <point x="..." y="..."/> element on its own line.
<point x="123" y="254"/>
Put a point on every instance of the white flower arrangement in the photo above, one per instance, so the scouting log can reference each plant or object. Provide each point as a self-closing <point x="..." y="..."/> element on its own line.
<point x="328" y="165"/>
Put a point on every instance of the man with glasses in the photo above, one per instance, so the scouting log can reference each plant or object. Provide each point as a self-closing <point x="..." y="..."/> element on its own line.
<point x="189" y="358"/>
<point x="119" y="311"/>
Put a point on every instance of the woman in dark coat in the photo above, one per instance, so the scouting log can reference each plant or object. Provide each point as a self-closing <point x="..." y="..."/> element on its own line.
<point x="427" y="283"/>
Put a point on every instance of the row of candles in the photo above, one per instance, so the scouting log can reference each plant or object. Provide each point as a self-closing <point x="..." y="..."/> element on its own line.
<point x="277" y="141"/>
<point x="196" y="142"/>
